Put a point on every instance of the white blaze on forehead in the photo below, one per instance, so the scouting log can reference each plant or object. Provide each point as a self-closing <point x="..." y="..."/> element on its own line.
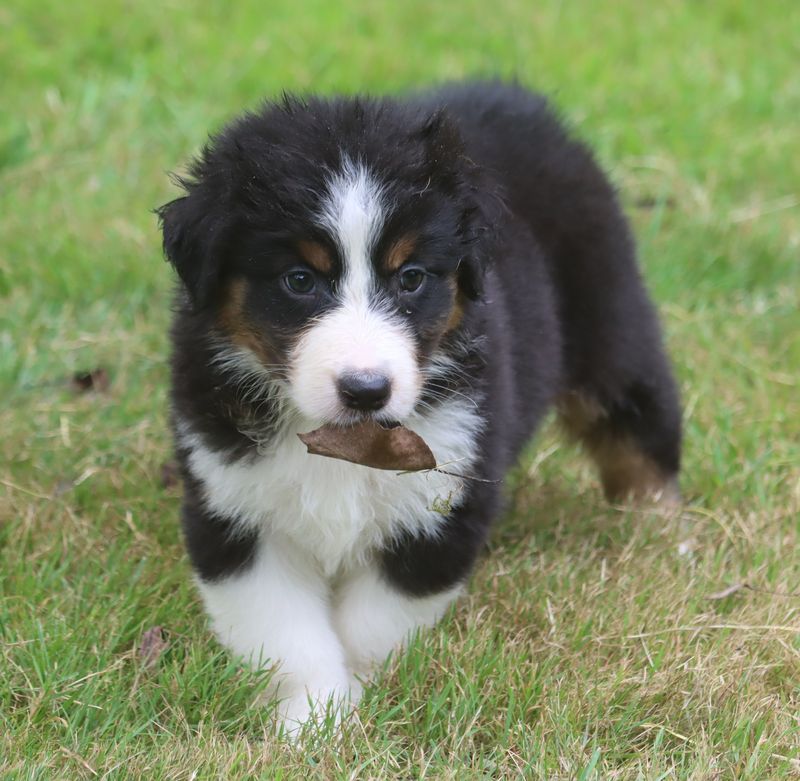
<point x="360" y="333"/>
<point x="353" y="214"/>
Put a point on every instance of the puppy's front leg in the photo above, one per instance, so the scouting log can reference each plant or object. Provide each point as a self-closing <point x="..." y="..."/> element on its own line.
<point x="275" y="610"/>
<point x="410" y="584"/>
<point x="372" y="617"/>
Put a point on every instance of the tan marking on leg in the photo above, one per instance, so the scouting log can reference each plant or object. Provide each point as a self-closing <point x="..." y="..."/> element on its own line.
<point x="399" y="253"/>
<point x="316" y="256"/>
<point x="630" y="475"/>
<point x="579" y="413"/>
<point x="625" y="471"/>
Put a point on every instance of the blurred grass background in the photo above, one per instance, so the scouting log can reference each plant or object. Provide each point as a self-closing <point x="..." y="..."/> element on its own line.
<point x="589" y="646"/>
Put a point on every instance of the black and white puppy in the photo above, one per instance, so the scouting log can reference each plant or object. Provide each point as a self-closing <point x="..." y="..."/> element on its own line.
<point x="452" y="261"/>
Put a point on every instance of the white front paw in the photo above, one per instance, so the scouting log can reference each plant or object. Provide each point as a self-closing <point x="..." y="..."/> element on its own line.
<point x="315" y="705"/>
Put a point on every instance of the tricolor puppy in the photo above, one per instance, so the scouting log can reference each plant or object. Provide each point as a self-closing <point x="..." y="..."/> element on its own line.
<point x="452" y="261"/>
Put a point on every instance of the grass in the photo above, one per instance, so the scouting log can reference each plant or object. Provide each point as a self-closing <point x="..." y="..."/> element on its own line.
<point x="594" y="642"/>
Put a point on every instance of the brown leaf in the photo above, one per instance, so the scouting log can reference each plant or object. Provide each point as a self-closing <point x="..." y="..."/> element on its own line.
<point x="94" y="380"/>
<point x="151" y="646"/>
<point x="369" y="444"/>
<point x="63" y="487"/>
<point x="651" y="202"/>
<point x="170" y="474"/>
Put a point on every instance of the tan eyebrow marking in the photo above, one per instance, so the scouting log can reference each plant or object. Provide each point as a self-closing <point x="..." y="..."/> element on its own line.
<point x="316" y="256"/>
<point x="399" y="252"/>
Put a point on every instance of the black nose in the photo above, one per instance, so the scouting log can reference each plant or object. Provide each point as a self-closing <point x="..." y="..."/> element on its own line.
<point x="364" y="390"/>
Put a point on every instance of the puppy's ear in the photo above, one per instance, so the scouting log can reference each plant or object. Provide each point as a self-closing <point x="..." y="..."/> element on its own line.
<point x="470" y="275"/>
<point x="450" y="167"/>
<point x="482" y="214"/>
<point x="194" y="232"/>
<point x="444" y="148"/>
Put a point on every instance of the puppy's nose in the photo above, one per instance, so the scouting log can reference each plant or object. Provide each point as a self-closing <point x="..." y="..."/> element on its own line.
<point x="364" y="390"/>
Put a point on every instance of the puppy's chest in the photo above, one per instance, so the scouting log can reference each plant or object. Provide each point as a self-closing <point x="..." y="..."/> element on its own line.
<point x="336" y="511"/>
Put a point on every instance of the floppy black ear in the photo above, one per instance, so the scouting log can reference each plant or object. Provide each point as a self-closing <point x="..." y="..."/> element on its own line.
<point x="194" y="232"/>
<point x="470" y="276"/>
<point x="458" y="176"/>
<point x="479" y="221"/>
<point x="444" y="149"/>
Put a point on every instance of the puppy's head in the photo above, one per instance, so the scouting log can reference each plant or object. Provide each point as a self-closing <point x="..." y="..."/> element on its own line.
<point x="333" y="245"/>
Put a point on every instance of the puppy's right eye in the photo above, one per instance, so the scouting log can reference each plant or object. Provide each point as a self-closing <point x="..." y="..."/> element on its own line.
<point x="411" y="279"/>
<point x="301" y="282"/>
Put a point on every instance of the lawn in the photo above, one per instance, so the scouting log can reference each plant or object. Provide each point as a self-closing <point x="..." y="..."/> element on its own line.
<point x="595" y="642"/>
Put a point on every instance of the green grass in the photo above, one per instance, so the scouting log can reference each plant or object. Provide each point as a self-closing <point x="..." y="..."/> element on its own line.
<point x="589" y="647"/>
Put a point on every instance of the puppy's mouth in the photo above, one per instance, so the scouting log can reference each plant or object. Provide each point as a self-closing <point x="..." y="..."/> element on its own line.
<point x="355" y="418"/>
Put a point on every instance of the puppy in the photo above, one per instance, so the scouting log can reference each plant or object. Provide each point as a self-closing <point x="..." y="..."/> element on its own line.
<point x="452" y="261"/>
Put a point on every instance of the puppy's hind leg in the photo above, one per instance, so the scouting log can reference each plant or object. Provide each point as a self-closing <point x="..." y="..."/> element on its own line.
<point x="633" y="434"/>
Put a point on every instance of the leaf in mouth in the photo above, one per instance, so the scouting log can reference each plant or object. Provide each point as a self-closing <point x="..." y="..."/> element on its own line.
<point x="370" y="444"/>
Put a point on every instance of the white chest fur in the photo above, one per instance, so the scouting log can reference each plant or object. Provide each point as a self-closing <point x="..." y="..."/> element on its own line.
<point x="336" y="511"/>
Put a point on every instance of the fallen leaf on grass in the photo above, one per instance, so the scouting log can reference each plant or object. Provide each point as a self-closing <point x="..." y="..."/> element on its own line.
<point x="170" y="474"/>
<point x="151" y="646"/>
<point x="63" y="487"/>
<point x="651" y="202"/>
<point x="94" y="380"/>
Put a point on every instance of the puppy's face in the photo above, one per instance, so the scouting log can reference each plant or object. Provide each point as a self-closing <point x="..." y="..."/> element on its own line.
<point x="339" y="280"/>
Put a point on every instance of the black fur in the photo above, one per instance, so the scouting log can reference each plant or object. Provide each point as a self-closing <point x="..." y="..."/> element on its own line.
<point x="503" y="202"/>
<point x="214" y="551"/>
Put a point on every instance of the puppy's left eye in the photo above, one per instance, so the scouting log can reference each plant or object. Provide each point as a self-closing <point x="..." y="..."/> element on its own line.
<point x="411" y="279"/>
<point x="300" y="281"/>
